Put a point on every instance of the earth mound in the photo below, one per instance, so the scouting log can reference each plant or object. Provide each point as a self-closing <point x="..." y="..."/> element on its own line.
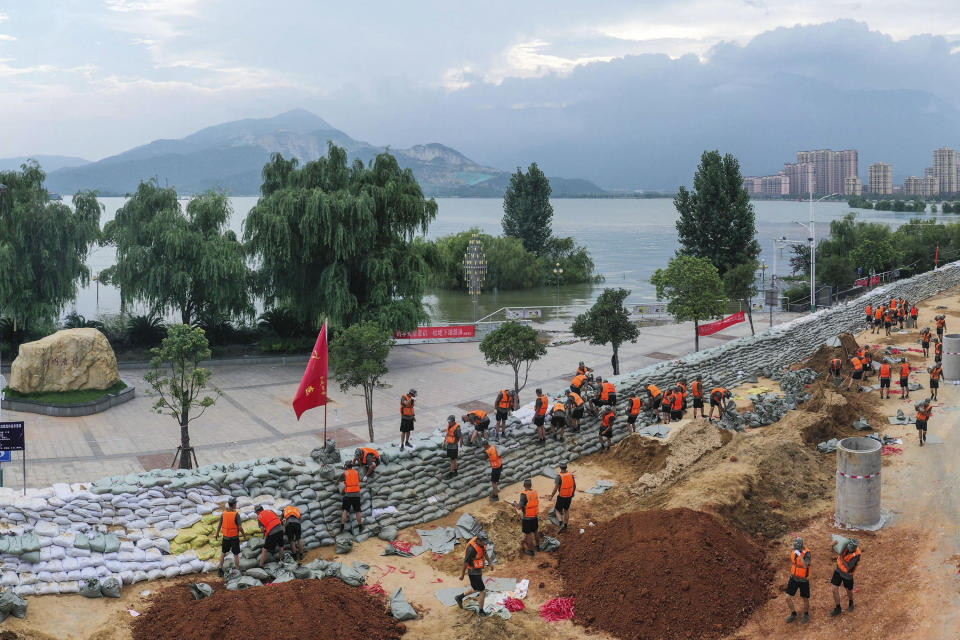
<point x="666" y="574"/>
<point x="644" y="455"/>
<point x="291" y="610"/>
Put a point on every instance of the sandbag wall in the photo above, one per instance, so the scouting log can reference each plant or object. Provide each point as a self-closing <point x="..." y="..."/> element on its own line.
<point x="160" y="524"/>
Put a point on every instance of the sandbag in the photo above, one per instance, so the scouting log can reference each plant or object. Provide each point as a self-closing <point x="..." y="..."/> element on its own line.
<point x="12" y="605"/>
<point x="91" y="589"/>
<point x="257" y="573"/>
<point x="344" y="544"/>
<point x="242" y="583"/>
<point x="400" y="608"/>
<point x="199" y="590"/>
<point x="355" y="575"/>
<point x="388" y="534"/>
<point x="549" y="544"/>
<point x="110" y="587"/>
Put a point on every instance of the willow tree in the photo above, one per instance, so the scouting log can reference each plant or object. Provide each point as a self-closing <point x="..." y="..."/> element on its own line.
<point x="43" y="247"/>
<point x="189" y="263"/>
<point x="337" y="241"/>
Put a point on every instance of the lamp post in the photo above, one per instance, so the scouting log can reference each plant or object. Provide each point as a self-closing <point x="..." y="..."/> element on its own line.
<point x="557" y="271"/>
<point x="811" y="237"/>
<point x="96" y="279"/>
<point x="763" y="275"/>
<point x="3" y="381"/>
<point x="474" y="270"/>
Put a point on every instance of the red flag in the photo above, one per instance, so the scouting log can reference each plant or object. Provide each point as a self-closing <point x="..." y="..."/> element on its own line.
<point x="313" y="388"/>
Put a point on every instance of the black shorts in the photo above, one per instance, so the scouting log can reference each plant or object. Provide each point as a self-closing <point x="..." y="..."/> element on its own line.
<point x="937" y="358"/>
<point x="274" y="540"/>
<point x="606" y="432"/>
<point x="657" y="401"/>
<point x="676" y="415"/>
<point x="483" y="425"/>
<point x="476" y="582"/>
<point x="835" y="373"/>
<point x="858" y="375"/>
<point x="529" y="525"/>
<point x="558" y="421"/>
<point x="406" y="424"/>
<point x="538" y="420"/>
<point x="714" y="403"/>
<point x="563" y="504"/>
<point x="903" y="382"/>
<point x="495" y="474"/>
<point x="612" y="400"/>
<point x="698" y="403"/>
<point x="501" y="415"/>
<point x="884" y="383"/>
<point x="577" y="413"/>
<point x="921" y="425"/>
<point x="925" y="345"/>
<point x="230" y="545"/>
<point x="934" y="384"/>
<point x="632" y="418"/>
<point x="452" y="453"/>
<point x="869" y="319"/>
<point x="802" y="585"/>
<point x="292" y="530"/>
<point x="575" y="390"/>
<point x="886" y="325"/>
<point x="351" y="503"/>
<point x="837" y="579"/>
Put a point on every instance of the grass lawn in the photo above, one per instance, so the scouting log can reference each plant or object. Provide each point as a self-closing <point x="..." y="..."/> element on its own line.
<point x="65" y="397"/>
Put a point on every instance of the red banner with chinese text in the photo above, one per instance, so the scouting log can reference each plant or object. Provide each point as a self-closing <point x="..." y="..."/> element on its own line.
<point x="423" y="333"/>
<point x="712" y="327"/>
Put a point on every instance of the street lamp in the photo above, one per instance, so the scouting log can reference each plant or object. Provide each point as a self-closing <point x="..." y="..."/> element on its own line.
<point x="557" y="271"/>
<point x="96" y="279"/>
<point x="811" y="237"/>
<point x="763" y="275"/>
<point x="474" y="270"/>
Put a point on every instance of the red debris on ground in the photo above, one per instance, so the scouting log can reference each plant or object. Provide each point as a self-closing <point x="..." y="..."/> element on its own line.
<point x="292" y="610"/>
<point x="402" y="546"/>
<point x="889" y="450"/>
<point x="376" y="589"/>
<point x="514" y="604"/>
<point x="667" y="574"/>
<point x="557" y="609"/>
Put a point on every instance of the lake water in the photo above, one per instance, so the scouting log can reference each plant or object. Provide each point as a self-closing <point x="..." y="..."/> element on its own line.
<point x="628" y="239"/>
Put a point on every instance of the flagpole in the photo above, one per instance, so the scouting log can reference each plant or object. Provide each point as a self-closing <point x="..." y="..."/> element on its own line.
<point x="327" y="399"/>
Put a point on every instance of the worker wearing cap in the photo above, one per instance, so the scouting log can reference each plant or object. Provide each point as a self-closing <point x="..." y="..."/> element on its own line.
<point x="272" y="528"/>
<point x="566" y="486"/>
<point x="496" y="467"/>
<point x="941" y="326"/>
<point x="718" y="400"/>
<point x="574" y="409"/>
<point x="606" y="428"/>
<point x="799" y="580"/>
<point x="407" y="417"/>
<point x="367" y="459"/>
<point x="936" y="372"/>
<point x="904" y="380"/>
<point x="474" y="560"/>
<point x="505" y="402"/>
<point x="529" y="507"/>
<point x="583" y="369"/>
<point x="885" y="379"/>
<point x="451" y="442"/>
<point x="351" y="496"/>
<point x="480" y="421"/>
<point x="924" y="411"/>
<point x="925" y="341"/>
<point x="292" y="529"/>
<point x="847" y="562"/>
<point x="540" y="407"/>
<point x="558" y="420"/>
<point x="696" y="389"/>
<point x="232" y="530"/>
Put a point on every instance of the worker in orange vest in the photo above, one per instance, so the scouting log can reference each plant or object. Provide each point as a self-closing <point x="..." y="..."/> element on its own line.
<point x="480" y="421"/>
<point x="799" y="580"/>
<point x="877" y="319"/>
<point x="529" y="507"/>
<point x="272" y="528"/>
<point x="888" y="320"/>
<point x="941" y="326"/>
<point x="577" y="383"/>
<point x="575" y="409"/>
<point x="847" y="562"/>
<point x="407" y="417"/>
<point x="676" y="408"/>
<point x="351" y="496"/>
<point x="856" y="372"/>
<point x="635" y="406"/>
<point x="925" y="341"/>
<point x="901" y="316"/>
<point x="232" y="530"/>
<point x="452" y="439"/>
<point x="869" y="315"/>
<point x="718" y="400"/>
<point x="496" y="467"/>
<point x="367" y="459"/>
<point x="583" y="369"/>
<point x="540" y="408"/>
<point x="836" y="369"/>
<point x="474" y="560"/>
<point x="505" y="402"/>
<point x="924" y="411"/>
<point x="867" y="360"/>
<point x="654" y="397"/>
<point x="696" y="389"/>
<point x="558" y="420"/>
<point x="666" y="406"/>
<point x="904" y="379"/>
<point x="885" y="379"/>
<point x="565" y="485"/>
<point x="914" y="312"/>
<point x="606" y="428"/>
<point x="936" y="372"/>
<point x="292" y="529"/>
<point x="938" y="350"/>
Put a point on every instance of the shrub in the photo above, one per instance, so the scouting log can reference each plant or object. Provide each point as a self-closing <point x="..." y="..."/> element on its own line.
<point x="146" y="330"/>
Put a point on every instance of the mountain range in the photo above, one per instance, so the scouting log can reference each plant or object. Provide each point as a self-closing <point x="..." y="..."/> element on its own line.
<point x="230" y="157"/>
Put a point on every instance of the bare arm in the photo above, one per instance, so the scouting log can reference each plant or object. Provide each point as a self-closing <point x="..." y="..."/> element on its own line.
<point x="219" y="526"/>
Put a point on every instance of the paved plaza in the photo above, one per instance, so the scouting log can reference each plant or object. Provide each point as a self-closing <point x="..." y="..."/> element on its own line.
<point x="254" y="417"/>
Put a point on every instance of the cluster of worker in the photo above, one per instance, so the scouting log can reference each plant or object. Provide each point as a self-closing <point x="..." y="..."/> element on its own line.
<point x="800" y="559"/>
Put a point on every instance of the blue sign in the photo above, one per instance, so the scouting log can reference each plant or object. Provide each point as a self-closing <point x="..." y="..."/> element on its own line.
<point x="6" y="456"/>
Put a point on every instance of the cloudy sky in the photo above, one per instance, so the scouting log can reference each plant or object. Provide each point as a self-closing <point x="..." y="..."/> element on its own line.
<point x="95" y="77"/>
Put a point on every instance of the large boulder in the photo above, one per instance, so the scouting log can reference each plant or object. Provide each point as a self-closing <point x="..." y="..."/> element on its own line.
<point x="67" y="360"/>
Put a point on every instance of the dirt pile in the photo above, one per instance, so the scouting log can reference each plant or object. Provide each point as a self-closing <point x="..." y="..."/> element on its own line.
<point x="642" y="455"/>
<point x="291" y="610"/>
<point x="687" y="447"/>
<point x="663" y="574"/>
<point x="503" y="527"/>
<point x="838" y="411"/>
<point x="820" y="360"/>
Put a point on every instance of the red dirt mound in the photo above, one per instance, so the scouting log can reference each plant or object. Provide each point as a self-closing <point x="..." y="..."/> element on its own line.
<point x="291" y="610"/>
<point x="666" y="574"/>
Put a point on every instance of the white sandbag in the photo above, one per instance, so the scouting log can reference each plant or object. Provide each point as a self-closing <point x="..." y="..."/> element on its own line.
<point x="26" y="590"/>
<point x="10" y="579"/>
<point x="169" y="561"/>
<point x="70" y="564"/>
<point x="126" y="577"/>
<point x="186" y="569"/>
<point x="114" y="566"/>
<point x="102" y="571"/>
<point x="78" y="553"/>
<point x="169" y="534"/>
<point x="162" y="544"/>
<point x="84" y="563"/>
<point x="145" y="543"/>
<point x="46" y="529"/>
<point x="55" y="565"/>
<point x="89" y="573"/>
<point x="188" y="521"/>
<point x="46" y="576"/>
<point x="74" y="575"/>
<point x="46" y="589"/>
<point x="134" y="534"/>
<point x="139" y="576"/>
<point x="126" y="545"/>
<point x="172" y="572"/>
<point x="154" y="574"/>
<point x="71" y="586"/>
<point x="52" y="552"/>
<point x="152" y="555"/>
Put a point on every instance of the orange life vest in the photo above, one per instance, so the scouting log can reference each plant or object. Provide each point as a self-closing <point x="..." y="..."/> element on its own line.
<point x="566" y="484"/>
<point x="479" y="414"/>
<point x="495" y="461"/>
<point x="797" y="567"/>
<point x="506" y="400"/>
<point x="924" y="414"/>
<point x="667" y="400"/>
<point x="480" y="549"/>
<point x="893" y="303"/>
<point x="406" y="410"/>
<point x="857" y="364"/>
<point x="904" y="370"/>
<point x="941" y="322"/>
<point x="452" y="433"/>
<point x="844" y="560"/>
<point x="269" y="520"/>
<point x="677" y="401"/>
<point x="697" y="389"/>
<point x="544" y="402"/>
<point x="654" y="390"/>
<point x="884" y="371"/>
<point x="367" y="452"/>
<point x="925" y="335"/>
<point x="939" y="349"/>
<point x="836" y="364"/>
<point x="578" y="380"/>
<point x="608" y="419"/>
<point x="717" y="394"/>
<point x="532" y="508"/>
<point x="290" y="511"/>
<point x="607" y="389"/>
<point x="229" y="527"/>
<point x="351" y="478"/>
<point x="683" y="390"/>
<point x="636" y="405"/>
<point x="914" y="312"/>
<point x="878" y="313"/>
<point x="935" y="373"/>
<point x="577" y="400"/>
<point x="583" y="370"/>
<point x="869" y="309"/>
<point x="559" y="409"/>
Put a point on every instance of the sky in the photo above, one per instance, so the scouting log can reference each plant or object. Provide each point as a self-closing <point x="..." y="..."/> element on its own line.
<point x="496" y="79"/>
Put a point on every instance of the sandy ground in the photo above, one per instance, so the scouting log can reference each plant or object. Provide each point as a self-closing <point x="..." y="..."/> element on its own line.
<point x="768" y="479"/>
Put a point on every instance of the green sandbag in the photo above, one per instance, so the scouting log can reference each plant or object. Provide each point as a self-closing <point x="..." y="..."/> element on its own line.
<point x="12" y="605"/>
<point x="111" y="543"/>
<point x="32" y="557"/>
<point x="110" y="587"/>
<point x="81" y="541"/>
<point x="98" y="543"/>
<point x="91" y="589"/>
<point x="29" y="542"/>
<point x="199" y="590"/>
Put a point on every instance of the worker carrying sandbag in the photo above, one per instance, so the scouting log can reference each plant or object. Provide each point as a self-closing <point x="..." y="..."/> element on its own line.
<point x="847" y="562"/>
<point x="799" y="580"/>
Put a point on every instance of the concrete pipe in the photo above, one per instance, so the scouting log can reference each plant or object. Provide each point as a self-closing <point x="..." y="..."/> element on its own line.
<point x="858" y="482"/>
<point x="951" y="356"/>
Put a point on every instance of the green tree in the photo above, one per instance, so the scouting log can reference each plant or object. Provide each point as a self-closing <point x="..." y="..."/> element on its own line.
<point x="177" y="380"/>
<point x="716" y="220"/>
<point x="337" y="241"/>
<point x="527" y="212"/>
<point x="607" y="321"/>
<point x="514" y="344"/>
<point x="694" y="290"/>
<point x="190" y="263"/>
<point x="359" y="358"/>
<point x="43" y="247"/>
<point x="740" y="283"/>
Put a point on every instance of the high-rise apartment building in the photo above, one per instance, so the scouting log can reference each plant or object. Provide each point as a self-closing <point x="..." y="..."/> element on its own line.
<point x="775" y="186"/>
<point x="853" y="186"/>
<point x="880" y="179"/>
<point x="931" y="187"/>
<point x="912" y="186"/>
<point x="925" y="187"/>
<point x="801" y="177"/>
<point x="946" y="167"/>
<point x="830" y="169"/>
<point x="754" y="185"/>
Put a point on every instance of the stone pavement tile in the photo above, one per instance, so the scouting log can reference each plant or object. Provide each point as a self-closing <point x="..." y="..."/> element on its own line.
<point x="155" y="461"/>
<point x="343" y="437"/>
